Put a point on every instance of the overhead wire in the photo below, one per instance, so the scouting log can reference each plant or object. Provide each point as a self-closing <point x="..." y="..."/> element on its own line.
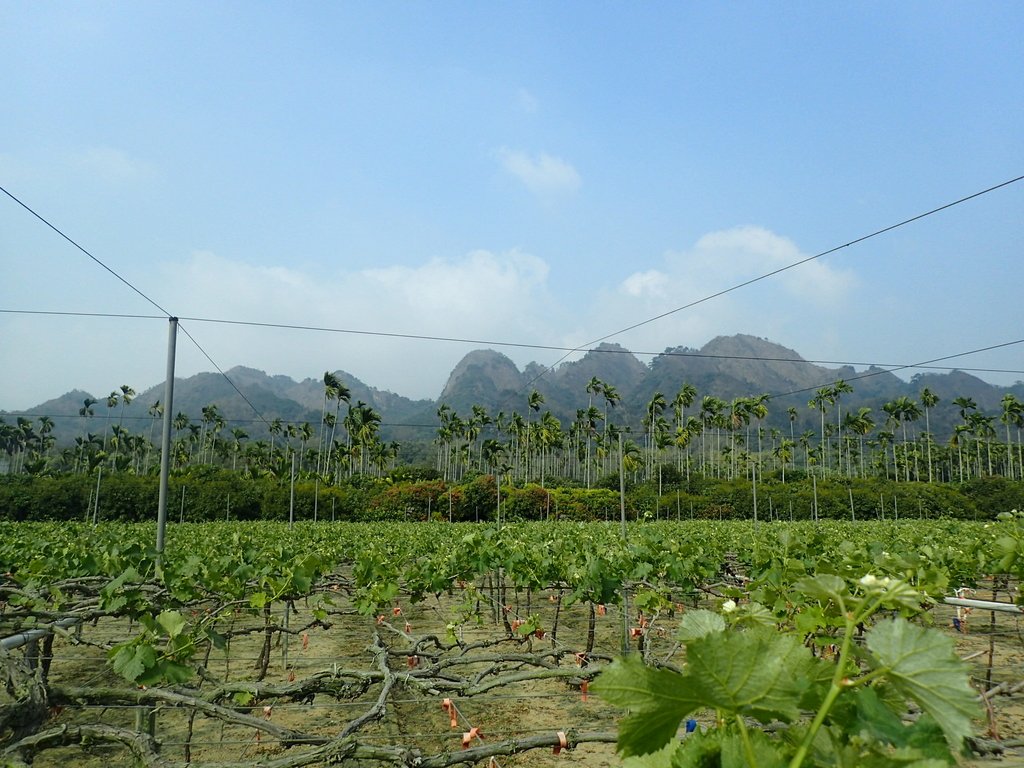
<point x="114" y="315"/>
<point x="125" y="281"/>
<point x="561" y="348"/>
<point x="83" y="250"/>
<point x="771" y="395"/>
<point x="491" y="342"/>
<point x="774" y="272"/>
<point x="234" y="386"/>
<point x="568" y="351"/>
<point x="869" y="374"/>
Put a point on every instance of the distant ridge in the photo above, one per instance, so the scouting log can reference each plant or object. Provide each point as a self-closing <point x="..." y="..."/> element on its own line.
<point x="726" y="367"/>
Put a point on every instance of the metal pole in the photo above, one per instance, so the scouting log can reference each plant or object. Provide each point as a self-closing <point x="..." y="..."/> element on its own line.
<point x="622" y="518"/>
<point x="96" y="506"/>
<point x="291" y="503"/>
<point x="622" y="489"/>
<point x="814" y="483"/>
<point x="284" y="636"/>
<point x="165" y="442"/>
<point x="753" y="485"/>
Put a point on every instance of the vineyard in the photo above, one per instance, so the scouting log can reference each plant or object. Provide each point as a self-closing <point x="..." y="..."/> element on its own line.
<point x="436" y="644"/>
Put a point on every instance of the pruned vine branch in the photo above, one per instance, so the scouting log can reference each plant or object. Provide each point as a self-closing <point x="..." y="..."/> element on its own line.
<point x="483" y="666"/>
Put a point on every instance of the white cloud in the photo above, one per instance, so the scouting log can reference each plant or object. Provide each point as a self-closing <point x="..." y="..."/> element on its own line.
<point x="13" y="169"/>
<point x="112" y="165"/>
<point x="491" y="296"/>
<point x="650" y="283"/>
<point x="542" y="174"/>
<point x="796" y="307"/>
<point x="482" y="295"/>
<point x="527" y="101"/>
<point x="468" y="286"/>
<point x="744" y="253"/>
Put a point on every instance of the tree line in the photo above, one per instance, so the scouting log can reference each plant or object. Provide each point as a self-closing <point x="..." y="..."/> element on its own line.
<point x="694" y="435"/>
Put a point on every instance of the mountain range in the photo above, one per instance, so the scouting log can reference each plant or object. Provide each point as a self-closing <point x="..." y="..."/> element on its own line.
<point x="726" y="367"/>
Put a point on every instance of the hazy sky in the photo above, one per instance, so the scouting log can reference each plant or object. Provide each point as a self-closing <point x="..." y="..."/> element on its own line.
<point x="533" y="173"/>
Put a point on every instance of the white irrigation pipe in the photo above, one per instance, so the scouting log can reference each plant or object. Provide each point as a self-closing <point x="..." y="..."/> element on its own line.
<point x="984" y="605"/>
<point x="26" y="637"/>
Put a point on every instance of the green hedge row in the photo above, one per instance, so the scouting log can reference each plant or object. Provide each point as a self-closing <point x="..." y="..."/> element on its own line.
<point x="867" y="500"/>
<point x="219" y="495"/>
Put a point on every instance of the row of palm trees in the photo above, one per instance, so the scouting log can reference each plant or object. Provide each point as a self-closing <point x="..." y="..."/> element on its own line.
<point x="354" y="448"/>
<point x="708" y="437"/>
<point x="728" y="439"/>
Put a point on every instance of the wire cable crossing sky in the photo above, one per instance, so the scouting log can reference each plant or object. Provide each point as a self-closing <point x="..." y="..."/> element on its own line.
<point x="586" y="347"/>
<point x="532" y="174"/>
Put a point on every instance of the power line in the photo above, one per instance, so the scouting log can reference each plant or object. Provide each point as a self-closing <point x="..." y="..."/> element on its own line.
<point x="488" y="342"/>
<point x="113" y="315"/>
<point x="261" y="417"/>
<point x="83" y="250"/>
<point x="774" y="272"/>
<point x="869" y="374"/>
<point x="226" y="377"/>
<point x="124" y="280"/>
<point x="557" y="348"/>
<point x="775" y="395"/>
<point x="568" y="351"/>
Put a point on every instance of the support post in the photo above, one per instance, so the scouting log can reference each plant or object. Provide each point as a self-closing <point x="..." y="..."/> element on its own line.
<point x="291" y="501"/>
<point x="165" y="442"/>
<point x="622" y="489"/>
<point x="622" y="519"/>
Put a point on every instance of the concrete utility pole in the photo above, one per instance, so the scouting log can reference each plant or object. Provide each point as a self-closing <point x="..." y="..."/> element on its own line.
<point x="165" y="443"/>
<point x="622" y="520"/>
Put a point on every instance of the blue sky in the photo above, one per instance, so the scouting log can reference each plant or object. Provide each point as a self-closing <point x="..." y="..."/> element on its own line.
<point x="533" y="173"/>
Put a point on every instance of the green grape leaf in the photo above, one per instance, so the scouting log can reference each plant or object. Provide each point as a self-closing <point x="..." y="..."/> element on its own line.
<point x="767" y="754"/>
<point x="658" y="699"/>
<point x="825" y="588"/>
<point x="131" y="660"/>
<point x="219" y="641"/>
<point x="752" y="615"/>
<point x="176" y="673"/>
<point x="875" y="720"/>
<point x="923" y="666"/>
<point x="699" y="750"/>
<point x="809" y="620"/>
<point x="660" y="759"/>
<point x="697" y="624"/>
<point x="1006" y="548"/>
<point x="172" y="623"/>
<point x="900" y="594"/>
<point x="724" y="748"/>
<point x="166" y="671"/>
<point x="756" y="673"/>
